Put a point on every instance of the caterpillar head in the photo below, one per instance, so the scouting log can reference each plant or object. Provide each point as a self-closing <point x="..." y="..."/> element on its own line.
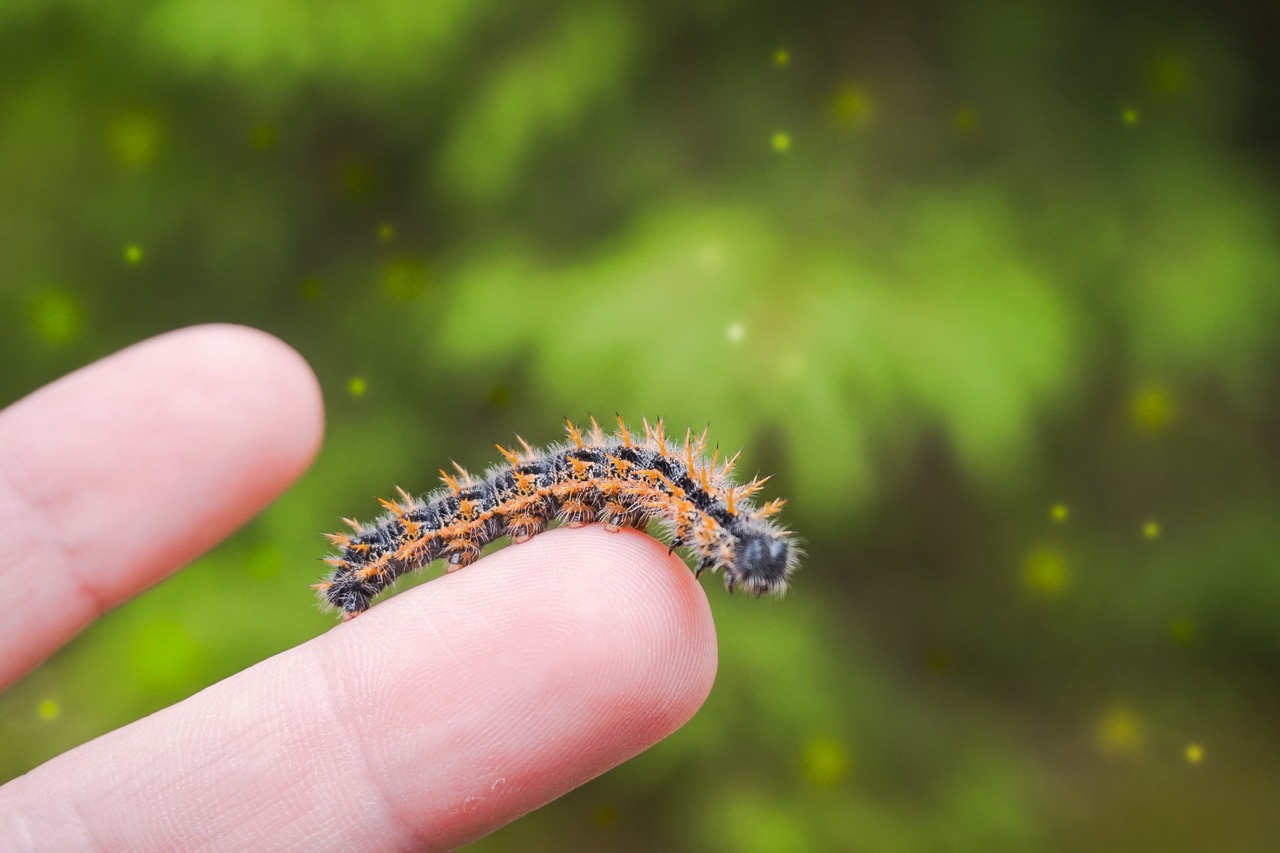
<point x="764" y="558"/>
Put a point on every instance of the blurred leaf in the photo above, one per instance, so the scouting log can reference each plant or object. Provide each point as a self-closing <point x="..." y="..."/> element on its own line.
<point x="286" y="43"/>
<point x="536" y="96"/>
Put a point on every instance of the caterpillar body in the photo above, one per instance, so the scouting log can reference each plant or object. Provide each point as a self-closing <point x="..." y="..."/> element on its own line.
<point x="618" y="480"/>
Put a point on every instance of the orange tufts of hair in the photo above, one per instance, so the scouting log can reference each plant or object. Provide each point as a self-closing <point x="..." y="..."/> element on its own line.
<point x="623" y="432"/>
<point x="450" y="481"/>
<point x="509" y="455"/>
<point x="773" y="507"/>
<point x="575" y="434"/>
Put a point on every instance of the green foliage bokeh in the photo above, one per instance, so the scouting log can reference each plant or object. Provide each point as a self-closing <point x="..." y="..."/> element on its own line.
<point x="991" y="287"/>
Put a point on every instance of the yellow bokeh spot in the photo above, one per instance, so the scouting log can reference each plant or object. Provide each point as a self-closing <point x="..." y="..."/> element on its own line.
<point x="1130" y="116"/>
<point x="1194" y="753"/>
<point x="264" y="561"/>
<point x="1151" y="530"/>
<point x="605" y="816"/>
<point x="1168" y="76"/>
<point x="133" y="254"/>
<point x="736" y="333"/>
<point x="710" y="257"/>
<point x="1152" y="408"/>
<point x="1183" y="632"/>
<point x="1045" y="571"/>
<point x="310" y="288"/>
<point x="386" y="232"/>
<point x="937" y="661"/>
<point x="1059" y="512"/>
<point x="852" y="104"/>
<point x="357" y="180"/>
<point x="499" y="396"/>
<point x="48" y="710"/>
<point x="1120" y="731"/>
<point x="781" y="142"/>
<point x="782" y="57"/>
<point x="357" y="386"/>
<point x="263" y="136"/>
<point x="56" y="317"/>
<point x="825" y="762"/>
<point x="136" y="138"/>
<point x="404" y="279"/>
<point x="964" y="120"/>
<point x="164" y="655"/>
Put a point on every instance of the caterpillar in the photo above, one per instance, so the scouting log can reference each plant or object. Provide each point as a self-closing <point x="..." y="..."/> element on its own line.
<point x="618" y="480"/>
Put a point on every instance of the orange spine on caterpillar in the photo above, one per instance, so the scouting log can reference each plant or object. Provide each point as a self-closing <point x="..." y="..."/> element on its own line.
<point x="618" y="480"/>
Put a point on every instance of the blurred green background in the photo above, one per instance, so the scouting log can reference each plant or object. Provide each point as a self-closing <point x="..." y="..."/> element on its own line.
<point x="991" y="287"/>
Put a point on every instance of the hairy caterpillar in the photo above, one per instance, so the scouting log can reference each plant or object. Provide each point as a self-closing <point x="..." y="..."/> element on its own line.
<point x="617" y="480"/>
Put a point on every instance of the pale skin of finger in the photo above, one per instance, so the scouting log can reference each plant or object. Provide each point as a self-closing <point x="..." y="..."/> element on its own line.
<point x="215" y="419"/>
<point x="424" y="723"/>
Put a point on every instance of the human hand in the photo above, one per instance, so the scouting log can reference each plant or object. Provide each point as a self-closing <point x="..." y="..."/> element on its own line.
<point x="432" y="719"/>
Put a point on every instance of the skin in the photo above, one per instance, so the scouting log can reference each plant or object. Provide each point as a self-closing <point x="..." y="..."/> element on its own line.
<point x="429" y="721"/>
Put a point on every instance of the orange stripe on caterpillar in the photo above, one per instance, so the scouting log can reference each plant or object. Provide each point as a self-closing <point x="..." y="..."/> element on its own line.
<point x="616" y="480"/>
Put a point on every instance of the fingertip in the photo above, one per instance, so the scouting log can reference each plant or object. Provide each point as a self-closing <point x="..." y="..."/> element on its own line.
<point x="257" y="374"/>
<point x="642" y="605"/>
<point x="615" y="600"/>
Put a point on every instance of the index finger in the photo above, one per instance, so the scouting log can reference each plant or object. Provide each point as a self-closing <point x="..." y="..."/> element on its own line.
<point x="433" y="718"/>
